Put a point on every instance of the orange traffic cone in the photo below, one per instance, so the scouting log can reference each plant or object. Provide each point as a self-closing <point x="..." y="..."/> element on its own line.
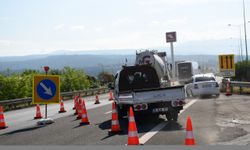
<point x="228" y="89"/>
<point x="38" y="112"/>
<point x="2" y="121"/>
<point x="84" y="120"/>
<point x="97" y="99"/>
<point x="79" y="108"/>
<point x="75" y="98"/>
<point x="133" y="138"/>
<point x="79" y="115"/>
<point x="115" y="126"/>
<point x="62" y="110"/>
<point x="189" y="133"/>
<point x="111" y="96"/>
<point x="80" y="101"/>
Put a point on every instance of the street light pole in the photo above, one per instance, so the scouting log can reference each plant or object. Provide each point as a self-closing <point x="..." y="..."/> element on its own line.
<point x="245" y="28"/>
<point x="240" y="40"/>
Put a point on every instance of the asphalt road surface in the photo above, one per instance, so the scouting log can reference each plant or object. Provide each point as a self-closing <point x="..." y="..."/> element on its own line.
<point x="221" y="121"/>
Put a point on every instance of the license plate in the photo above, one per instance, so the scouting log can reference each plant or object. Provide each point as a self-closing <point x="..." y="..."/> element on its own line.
<point x="206" y="85"/>
<point x="156" y="110"/>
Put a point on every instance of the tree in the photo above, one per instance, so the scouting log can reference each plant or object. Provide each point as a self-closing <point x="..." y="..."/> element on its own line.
<point x="93" y="81"/>
<point x="55" y="72"/>
<point x="19" y="85"/>
<point x="27" y="76"/>
<point x="242" y="71"/>
<point x="105" y="77"/>
<point x="73" y="79"/>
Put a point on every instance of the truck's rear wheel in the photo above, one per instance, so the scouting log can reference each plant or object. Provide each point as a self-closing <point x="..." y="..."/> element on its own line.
<point x="168" y="116"/>
<point x="121" y="112"/>
<point x="172" y="115"/>
<point x="175" y="115"/>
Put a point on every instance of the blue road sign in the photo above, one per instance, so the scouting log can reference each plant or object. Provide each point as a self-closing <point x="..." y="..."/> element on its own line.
<point x="46" y="89"/>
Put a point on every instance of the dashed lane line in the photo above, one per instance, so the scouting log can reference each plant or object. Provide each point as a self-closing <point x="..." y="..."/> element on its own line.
<point x="160" y="126"/>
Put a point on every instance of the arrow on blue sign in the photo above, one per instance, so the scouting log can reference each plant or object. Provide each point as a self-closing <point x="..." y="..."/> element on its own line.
<point x="46" y="89"/>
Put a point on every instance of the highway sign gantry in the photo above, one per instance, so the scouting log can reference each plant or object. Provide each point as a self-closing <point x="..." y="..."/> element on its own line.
<point x="46" y="89"/>
<point x="226" y="65"/>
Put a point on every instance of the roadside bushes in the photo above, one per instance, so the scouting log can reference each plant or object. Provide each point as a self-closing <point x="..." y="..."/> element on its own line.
<point x="242" y="71"/>
<point x="19" y="85"/>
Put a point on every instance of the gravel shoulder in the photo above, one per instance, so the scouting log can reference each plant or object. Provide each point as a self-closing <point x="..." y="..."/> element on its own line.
<point x="233" y="118"/>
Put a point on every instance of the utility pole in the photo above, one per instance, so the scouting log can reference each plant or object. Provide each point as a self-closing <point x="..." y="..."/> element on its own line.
<point x="240" y="40"/>
<point x="170" y="38"/>
<point x="245" y="28"/>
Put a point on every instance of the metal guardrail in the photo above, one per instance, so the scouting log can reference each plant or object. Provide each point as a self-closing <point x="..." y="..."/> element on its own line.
<point x="233" y="84"/>
<point x="25" y="102"/>
<point x="239" y="84"/>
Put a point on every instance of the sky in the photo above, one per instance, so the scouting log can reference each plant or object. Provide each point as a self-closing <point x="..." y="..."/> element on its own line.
<point x="44" y="26"/>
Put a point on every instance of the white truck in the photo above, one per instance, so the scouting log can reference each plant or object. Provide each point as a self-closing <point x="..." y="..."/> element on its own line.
<point x="147" y="88"/>
<point x="184" y="71"/>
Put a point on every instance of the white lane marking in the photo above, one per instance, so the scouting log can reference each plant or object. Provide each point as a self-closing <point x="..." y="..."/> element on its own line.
<point x="160" y="126"/>
<point x="188" y="105"/>
<point x="108" y="112"/>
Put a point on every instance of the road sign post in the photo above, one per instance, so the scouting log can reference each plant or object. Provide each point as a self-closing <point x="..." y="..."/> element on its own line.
<point x="226" y="65"/>
<point x="46" y="90"/>
<point x="46" y="69"/>
<point x="170" y="38"/>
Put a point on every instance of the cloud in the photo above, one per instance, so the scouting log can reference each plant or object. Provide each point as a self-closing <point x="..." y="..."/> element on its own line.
<point x="177" y="2"/>
<point x="98" y="29"/>
<point x="59" y="27"/>
<point x="4" y="18"/>
<point x="77" y="28"/>
<point x="5" y="42"/>
<point x="122" y="21"/>
<point x="180" y="20"/>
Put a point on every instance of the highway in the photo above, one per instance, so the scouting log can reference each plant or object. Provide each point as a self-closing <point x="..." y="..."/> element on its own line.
<point x="215" y="121"/>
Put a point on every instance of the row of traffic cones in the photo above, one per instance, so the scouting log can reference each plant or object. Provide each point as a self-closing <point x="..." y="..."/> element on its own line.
<point x="110" y="97"/>
<point x="39" y="114"/>
<point x="2" y="121"/>
<point x="78" y="106"/>
<point x="80" y="110"/>
<point x="133" y="138"/>
<point x="97" y="101"/>
<point x="62" y="109"/>
<point x="228" y="89"/>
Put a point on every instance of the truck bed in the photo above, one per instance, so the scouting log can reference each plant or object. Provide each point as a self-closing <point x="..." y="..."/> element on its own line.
<point x="152" y="95"/>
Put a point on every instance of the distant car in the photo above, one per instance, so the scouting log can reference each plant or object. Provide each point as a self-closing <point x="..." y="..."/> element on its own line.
<point x="203" y="85"/>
